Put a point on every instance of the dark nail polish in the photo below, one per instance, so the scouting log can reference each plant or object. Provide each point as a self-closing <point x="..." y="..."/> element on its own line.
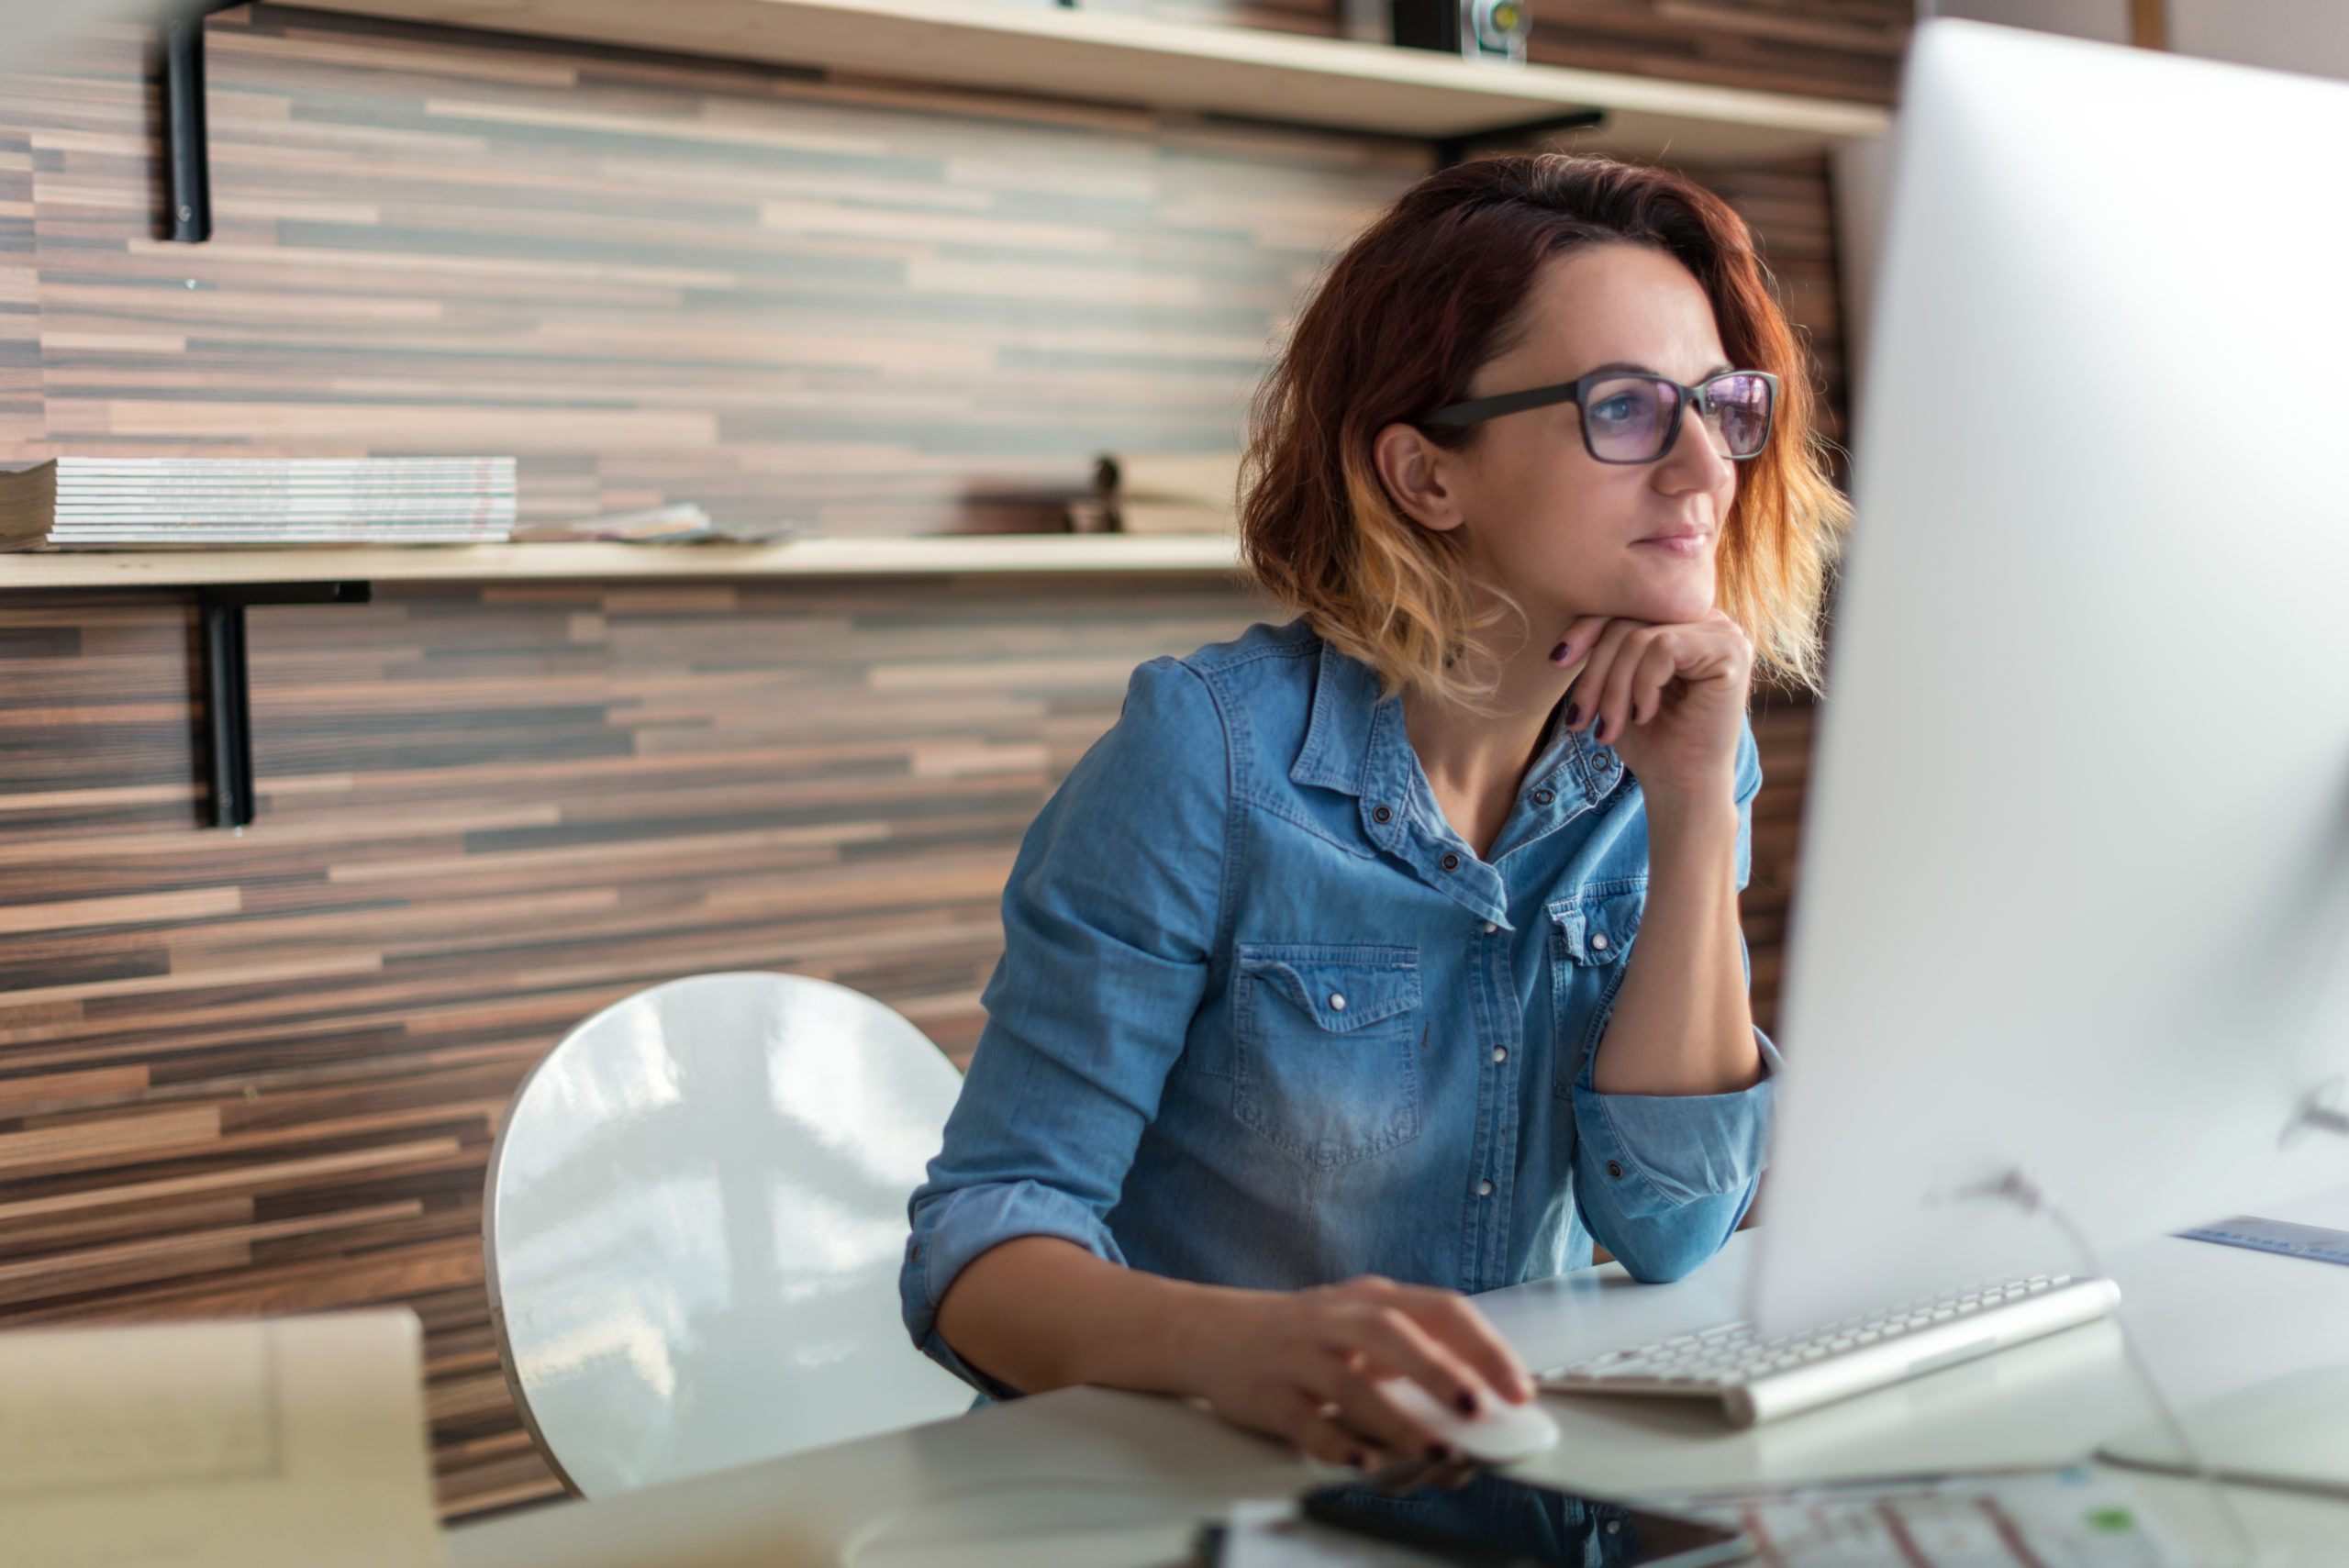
<point x="1559" y="655"/>
<point x="1440" y="1453"/>
<point x="1598" y="731"/>
<point x="1358" y="1461"/>
<point x="1465" y="1403"/>
<point x="1573" y="714"/>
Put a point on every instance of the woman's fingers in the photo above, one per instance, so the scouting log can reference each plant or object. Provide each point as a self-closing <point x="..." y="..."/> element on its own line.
<point x="1311" y="1423"/>
<point x="1401" y="1346"/>
<point x="1364" y="1407"/>
<point x="1467" y="1333"/>
<point x="1346" y="1400"/>
<point x="1651" y="675"/>
<point x="1613" y="699"/>
<point x="1582" y="701"/>
<point x="1648" y="659"/>
<point x="1576" y="639"/>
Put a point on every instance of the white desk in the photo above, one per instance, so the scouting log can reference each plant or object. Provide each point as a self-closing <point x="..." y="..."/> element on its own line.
<point x="1093" y="1477"/>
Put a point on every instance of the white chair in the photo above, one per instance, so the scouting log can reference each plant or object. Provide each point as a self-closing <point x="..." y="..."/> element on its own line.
<point x="694" y="1215"/>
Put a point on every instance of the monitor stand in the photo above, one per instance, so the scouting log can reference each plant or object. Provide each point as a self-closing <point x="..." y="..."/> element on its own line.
<point x="2291" y="1433"/>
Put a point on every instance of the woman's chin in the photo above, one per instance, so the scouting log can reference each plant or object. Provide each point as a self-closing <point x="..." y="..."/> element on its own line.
<point x="1662" y="606"/>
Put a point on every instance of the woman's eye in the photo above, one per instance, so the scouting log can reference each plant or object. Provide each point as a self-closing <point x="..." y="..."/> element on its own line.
<point x="1619" y="410"/>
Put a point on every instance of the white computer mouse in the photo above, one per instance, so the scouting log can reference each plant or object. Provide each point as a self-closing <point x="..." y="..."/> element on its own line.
<point x="1497" y="1434"/>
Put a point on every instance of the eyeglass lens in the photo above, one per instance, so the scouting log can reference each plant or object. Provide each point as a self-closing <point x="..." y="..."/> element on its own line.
<point x="1631" y="419"/>
<point x="1739" y="407"/>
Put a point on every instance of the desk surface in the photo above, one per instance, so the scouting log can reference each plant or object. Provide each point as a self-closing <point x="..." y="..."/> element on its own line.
<point x="1092" y="1476"/>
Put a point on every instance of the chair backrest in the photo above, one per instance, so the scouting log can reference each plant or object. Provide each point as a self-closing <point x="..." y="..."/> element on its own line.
<point x="695" y="1216"/>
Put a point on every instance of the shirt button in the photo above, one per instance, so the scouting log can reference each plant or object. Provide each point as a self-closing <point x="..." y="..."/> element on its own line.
<point x="1615" y="1168"/>
<point x="1452" y="862"/>
<point x="1382" y="814"/>
<point x="1500" y="1054"/>
<point x="1484" y="1189"/>
<point x="1599" y="942"/>
<point x="1337" y="1002"/>
<point x="1490" y="926"/>
<point x="1543" y="798"/>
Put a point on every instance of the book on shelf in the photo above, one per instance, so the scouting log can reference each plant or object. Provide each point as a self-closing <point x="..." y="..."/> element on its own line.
<point x="1159" y="493"/>
<point x="78" y="503"/>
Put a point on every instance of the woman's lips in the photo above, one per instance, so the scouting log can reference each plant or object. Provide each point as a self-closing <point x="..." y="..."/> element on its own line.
<point x="1689" y="545"/>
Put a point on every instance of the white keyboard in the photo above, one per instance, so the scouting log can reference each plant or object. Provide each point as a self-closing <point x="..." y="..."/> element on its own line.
<point x="1760" y="1380"/>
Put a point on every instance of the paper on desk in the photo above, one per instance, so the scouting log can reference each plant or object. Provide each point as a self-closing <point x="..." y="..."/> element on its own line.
<point x="294" y="1442"/>
<point x="2063" y="1519"/>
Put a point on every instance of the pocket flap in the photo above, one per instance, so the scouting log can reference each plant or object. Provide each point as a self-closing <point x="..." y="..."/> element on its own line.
<point x="1342" y="988"/>
<point x="1595" y="925"/>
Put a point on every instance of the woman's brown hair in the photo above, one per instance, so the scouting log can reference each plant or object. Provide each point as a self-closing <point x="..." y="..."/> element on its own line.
<point x="1399" y="328"/>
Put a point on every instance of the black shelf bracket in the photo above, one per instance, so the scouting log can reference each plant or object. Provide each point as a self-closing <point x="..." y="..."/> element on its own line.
<point x="187" y="146"/>
<point x="1452" y="150"/>
<point x="228" y="712"/>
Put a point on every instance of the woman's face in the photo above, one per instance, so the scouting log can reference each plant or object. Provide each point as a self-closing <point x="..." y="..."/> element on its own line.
<point x="1563" y="533"/>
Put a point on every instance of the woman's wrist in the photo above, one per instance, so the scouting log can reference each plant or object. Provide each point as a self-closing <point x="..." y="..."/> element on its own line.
<point x="1702" y="811"/>
<point x="1203" y="1323"/>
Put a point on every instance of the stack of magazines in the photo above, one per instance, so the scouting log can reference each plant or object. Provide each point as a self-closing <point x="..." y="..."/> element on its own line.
<point x="160" y="502"/>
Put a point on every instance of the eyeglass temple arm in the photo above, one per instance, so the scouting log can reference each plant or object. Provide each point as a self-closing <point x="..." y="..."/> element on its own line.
<point x="1484" y="408"/>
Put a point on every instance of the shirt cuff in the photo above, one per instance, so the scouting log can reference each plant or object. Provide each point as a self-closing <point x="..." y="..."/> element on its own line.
<point x="955" y="1229"/>
<point x="1670" y="1150"/>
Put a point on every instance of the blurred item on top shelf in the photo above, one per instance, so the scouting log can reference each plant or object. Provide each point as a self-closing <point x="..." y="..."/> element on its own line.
<point x="681" y="522"/>
<point x="1488" y="31"/>
<point x="1161" y="493"/>
<point x="150" y="503"/>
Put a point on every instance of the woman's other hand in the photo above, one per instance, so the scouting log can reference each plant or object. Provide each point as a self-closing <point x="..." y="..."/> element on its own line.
<point x="1669" y="699"/>
<point x="1305" y="1366"/>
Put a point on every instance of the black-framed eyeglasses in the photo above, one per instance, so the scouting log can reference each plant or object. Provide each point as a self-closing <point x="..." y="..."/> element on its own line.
<point x="1632" y="416"/>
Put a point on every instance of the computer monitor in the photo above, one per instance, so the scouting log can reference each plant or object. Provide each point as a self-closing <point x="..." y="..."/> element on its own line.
<point x="2076" y="866"/>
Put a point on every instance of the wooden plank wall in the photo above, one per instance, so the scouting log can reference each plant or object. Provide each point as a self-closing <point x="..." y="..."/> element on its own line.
<point x="848" y="306"/>
<point x="260" y="1074"/>
<point x="1830" y="49"/>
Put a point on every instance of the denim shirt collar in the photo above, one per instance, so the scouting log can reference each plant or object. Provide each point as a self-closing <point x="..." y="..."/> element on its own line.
<point x="1355" y="744"/>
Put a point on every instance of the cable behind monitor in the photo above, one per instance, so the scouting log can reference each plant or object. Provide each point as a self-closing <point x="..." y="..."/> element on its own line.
<point x="2017" y="1188"/>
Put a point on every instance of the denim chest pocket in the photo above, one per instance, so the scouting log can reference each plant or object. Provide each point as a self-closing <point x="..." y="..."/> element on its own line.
<point x="1326" y="1043"/>
<point x="1590" y="947"/>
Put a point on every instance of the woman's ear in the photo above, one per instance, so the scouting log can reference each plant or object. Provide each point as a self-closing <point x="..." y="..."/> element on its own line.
<point x="1421" y="478"/>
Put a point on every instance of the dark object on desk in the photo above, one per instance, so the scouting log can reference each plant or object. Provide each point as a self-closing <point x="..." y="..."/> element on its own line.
<point x="2280" y="1236"/>
<point x="1495" y="1519"/>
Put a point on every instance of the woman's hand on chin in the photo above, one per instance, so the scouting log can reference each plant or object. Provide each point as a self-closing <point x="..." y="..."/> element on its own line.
<point x="1305" y="1366"/>
<point x="1669" y="699"/>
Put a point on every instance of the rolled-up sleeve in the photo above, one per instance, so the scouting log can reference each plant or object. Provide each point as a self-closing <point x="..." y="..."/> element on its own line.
<point x="1110" y="917"/>
<point x="1662" y="1180"/>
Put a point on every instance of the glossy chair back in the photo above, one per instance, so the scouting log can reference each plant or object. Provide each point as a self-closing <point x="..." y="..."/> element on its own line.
<point x="695" y="1212"/>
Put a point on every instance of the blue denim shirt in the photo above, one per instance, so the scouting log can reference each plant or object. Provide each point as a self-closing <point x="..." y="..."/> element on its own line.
<point x="1263" y="1018"/>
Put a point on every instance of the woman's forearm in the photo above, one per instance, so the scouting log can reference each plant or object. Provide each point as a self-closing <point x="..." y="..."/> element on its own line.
<point x="1682" y="1023"/>
<point x="1038" y="1313"/>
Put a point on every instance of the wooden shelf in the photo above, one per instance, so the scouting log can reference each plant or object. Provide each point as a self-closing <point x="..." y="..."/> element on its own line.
<point x="1002" y="47"/>
<point x="934" y="556"/>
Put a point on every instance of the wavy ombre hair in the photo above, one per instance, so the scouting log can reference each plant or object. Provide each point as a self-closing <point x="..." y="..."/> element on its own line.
<point x="1399" y="328"/>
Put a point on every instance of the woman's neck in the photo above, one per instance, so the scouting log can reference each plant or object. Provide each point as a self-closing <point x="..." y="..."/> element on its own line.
<point x="1476" y="758"/>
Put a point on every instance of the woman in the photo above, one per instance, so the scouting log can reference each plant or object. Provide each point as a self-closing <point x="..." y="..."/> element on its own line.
<point x="1322" y="1002"/>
